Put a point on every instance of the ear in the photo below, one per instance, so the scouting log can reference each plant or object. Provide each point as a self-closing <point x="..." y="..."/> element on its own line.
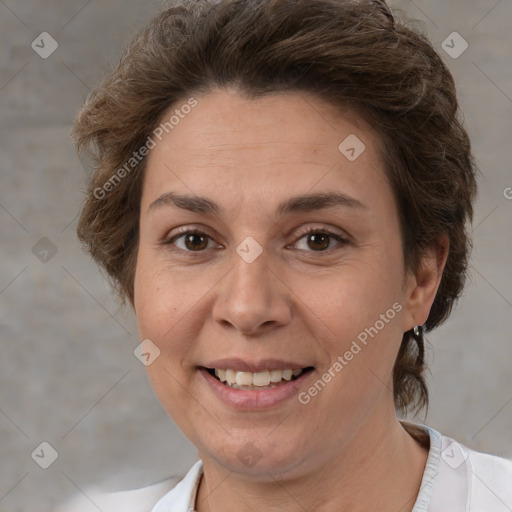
<point x="422" y="285"/>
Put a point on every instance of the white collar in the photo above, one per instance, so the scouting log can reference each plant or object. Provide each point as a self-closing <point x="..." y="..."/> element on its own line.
<point x="183" y="497"/>
<point x="455" y="479"/>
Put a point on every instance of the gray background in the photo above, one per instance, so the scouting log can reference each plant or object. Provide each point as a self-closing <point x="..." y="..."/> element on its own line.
<point x="67" y="371"/>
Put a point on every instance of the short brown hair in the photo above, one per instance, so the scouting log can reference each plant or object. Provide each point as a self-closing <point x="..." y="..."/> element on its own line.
<point x="350" y="53"/>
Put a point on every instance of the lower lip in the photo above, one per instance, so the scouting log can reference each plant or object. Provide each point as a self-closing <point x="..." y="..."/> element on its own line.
<point x="254" y="399"/>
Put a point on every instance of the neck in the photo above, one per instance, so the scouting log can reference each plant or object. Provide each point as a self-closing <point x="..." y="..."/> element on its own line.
<point x="380" y="469"/>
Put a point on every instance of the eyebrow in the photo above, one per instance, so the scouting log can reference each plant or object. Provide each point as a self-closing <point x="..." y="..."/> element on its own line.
<point x="302" y="203"/>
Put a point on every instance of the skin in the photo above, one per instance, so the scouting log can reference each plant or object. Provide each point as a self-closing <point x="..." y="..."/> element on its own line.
<point x="345" y="449"/>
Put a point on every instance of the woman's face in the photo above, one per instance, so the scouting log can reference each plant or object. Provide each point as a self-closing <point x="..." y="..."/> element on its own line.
<point x="252" y="292"/>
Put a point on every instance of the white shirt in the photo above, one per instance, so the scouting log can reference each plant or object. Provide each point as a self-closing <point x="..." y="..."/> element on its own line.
<point x="456" y="479"/>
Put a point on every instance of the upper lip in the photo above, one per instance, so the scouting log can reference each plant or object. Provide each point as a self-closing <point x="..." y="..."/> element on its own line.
<point x="244" y="365"/>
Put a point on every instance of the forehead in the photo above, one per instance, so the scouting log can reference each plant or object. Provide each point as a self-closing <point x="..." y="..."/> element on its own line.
<point x="280" y="143"/>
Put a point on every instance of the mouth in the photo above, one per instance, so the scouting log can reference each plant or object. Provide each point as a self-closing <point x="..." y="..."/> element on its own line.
<point x="257" y="381"/>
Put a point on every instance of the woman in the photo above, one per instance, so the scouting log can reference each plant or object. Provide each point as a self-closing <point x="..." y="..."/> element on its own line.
<point x="281" y="193"/>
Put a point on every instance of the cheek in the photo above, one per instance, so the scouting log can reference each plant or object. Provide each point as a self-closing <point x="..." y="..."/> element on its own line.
<point x="171" y="307"/>
<point x="161" y="307"/>
<point x="161" y="297"/>
<point x="352" y="299"/>
<point x="358" y="318"/>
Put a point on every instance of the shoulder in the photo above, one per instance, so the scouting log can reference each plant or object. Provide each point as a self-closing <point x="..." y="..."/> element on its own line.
<point x="173" y="494"/>
<point x="183" y="496"/>
<point x="459" y="479"/>
<point x="480" y="482"/>
<point x="139" y="500"/>
<point x="491" y="482"/>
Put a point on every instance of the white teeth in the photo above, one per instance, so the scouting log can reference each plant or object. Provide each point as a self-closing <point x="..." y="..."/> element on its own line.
<point x="231" y="376"/>
<point x="276" y="375"/>
<point x="261" y="379"/>
<point x="244" y="378"/>
<point x="265" y="378"/>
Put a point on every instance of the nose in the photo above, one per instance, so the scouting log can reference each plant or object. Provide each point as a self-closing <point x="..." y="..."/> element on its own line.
<point x="252" y="298"/>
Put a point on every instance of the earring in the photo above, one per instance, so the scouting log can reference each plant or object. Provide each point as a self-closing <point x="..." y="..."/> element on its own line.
<point x="417" y="336"/>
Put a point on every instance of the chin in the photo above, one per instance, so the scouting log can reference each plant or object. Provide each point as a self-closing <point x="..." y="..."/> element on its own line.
<point x="256" y="456"/>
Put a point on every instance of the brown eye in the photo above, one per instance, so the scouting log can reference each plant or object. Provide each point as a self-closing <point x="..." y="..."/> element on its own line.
<point x="190" y="241"/>
<point x="195" y="241"/>
<point x="320" y="241"/>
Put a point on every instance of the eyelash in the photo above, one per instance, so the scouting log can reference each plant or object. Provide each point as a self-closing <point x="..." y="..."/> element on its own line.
<point x="342" y="241"/>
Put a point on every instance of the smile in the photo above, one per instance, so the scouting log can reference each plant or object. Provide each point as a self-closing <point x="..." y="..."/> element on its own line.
<point x="255" y="385"/>
<point x="266" y="379"/>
